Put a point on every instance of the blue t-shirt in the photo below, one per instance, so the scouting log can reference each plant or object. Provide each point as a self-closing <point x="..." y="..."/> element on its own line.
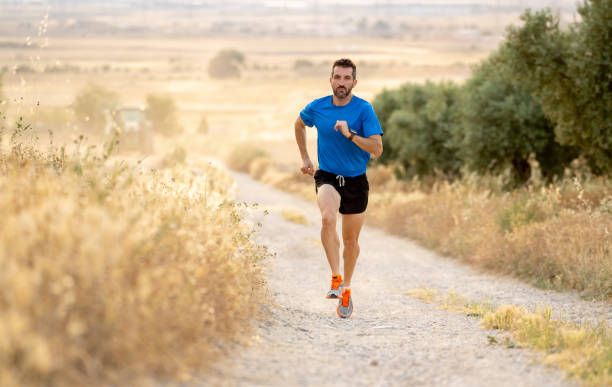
<point x="336" y="153"/>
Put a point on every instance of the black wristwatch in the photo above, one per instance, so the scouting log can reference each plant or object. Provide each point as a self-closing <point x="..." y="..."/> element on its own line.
<point x="353" y="133"/>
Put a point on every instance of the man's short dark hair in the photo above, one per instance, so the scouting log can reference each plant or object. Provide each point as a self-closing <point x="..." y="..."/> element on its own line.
<point x="345" y="62"/>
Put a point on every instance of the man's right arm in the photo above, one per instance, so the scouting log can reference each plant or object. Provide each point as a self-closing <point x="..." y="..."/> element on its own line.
<point x="300" y="138"/>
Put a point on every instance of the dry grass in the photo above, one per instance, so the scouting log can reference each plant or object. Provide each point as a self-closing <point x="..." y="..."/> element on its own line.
<point x="583" y="351"/>
<point x="277" y="175"/>
<point x="557" y="236"/>
<point x="452" y="301"/>
<point x="242" y="156"/>
<point x="535" y="234"/>
<point x="294" y="216"/>
<point x="111" y="274"/>
<point x="423" y="294"/>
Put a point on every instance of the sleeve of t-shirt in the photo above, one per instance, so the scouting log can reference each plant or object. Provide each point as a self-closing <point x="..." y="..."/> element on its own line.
<point x="371" y="125"/>
<point x="307" y="115"/>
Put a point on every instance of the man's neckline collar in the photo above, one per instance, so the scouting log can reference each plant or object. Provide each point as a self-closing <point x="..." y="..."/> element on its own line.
<point x="346" y="104"/>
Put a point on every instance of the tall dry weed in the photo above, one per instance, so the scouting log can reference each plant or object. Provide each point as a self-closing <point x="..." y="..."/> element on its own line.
<point x="111" y="274"/>
<point x="250" y="159"/>
<point x="242" y="155"/>
<point x="541" y="235"/>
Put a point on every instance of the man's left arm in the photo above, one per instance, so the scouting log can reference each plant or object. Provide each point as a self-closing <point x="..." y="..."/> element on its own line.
<point x="372" y="144"/>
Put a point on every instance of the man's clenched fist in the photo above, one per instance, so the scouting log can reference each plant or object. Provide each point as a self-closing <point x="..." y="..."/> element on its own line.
<point x="307" y="167"/>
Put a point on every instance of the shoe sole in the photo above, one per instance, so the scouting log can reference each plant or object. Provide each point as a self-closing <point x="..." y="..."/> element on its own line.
<point x="341" y="316"/>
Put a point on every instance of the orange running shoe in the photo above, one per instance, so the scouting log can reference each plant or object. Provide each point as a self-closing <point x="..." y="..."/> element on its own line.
<point x="345" y="305"/>
<point x="336" y="287"/>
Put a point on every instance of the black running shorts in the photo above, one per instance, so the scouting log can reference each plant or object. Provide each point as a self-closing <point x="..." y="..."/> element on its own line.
<point x="353" y="190"/>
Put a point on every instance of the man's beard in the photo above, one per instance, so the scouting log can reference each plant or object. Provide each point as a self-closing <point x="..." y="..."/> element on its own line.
<point x="342" y="95"/>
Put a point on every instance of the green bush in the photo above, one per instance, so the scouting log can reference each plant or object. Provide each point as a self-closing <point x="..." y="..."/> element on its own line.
<point x="502" y="125"/>
<point x="519" y="213"/>
<point x="24" y="69"/>
<point x="381" y="28"/>
<point x="226" y="64"/>
<point x="300" y="64"/>
<point x="419" y="121"/>
<point x="571" y="73"/>
<point x="90" y="106"/>
<point x="62" y="68"/>
<point x="162" y="112"/>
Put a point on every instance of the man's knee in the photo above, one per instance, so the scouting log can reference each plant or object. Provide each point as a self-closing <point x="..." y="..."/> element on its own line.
<point x="350" y="243"/>
<point x="328" y="219"/>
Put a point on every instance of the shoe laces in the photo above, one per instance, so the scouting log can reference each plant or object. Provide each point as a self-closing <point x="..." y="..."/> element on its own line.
<point x="335" y="283"/>
<point x="346" y="295"/>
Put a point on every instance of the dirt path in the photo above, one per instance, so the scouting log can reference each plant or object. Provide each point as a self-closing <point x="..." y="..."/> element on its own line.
<point x="391" y="339"/>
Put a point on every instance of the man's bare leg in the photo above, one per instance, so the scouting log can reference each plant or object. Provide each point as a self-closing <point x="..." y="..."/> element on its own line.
<point x="329" y="203"/>
<point x="351" y="227"/>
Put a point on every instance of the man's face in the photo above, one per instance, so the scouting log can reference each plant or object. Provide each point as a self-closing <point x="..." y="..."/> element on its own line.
<point x="342" y="81"/>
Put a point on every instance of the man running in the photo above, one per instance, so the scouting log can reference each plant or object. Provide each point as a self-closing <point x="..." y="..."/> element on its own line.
<point x="348" y="133"/>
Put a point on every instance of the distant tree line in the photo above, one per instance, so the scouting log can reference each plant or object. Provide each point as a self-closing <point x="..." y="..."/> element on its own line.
<point x="544" y="93"/>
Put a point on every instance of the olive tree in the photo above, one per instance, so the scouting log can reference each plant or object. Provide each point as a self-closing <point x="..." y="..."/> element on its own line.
<point x="570" y="72"/>
<point x="418" y="121"/>
<point x="502" y="125"/>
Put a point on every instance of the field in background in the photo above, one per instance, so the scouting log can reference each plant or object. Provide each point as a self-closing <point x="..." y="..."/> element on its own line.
<point x="49" y="53"/>
<point x="260" y="106"/>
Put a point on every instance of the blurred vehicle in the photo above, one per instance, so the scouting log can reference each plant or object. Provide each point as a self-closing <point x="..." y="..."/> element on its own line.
<point x="135" y="130"/>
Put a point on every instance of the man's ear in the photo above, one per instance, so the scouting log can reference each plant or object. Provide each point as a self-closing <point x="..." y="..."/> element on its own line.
<point x="354" y="82"/>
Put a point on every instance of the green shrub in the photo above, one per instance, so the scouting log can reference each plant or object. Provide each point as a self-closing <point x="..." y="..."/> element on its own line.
<point x="62" y="68"/>
<point x="419" y="121"/>
<point x="24" y="69"/>
<point x="300" y="64"/>
<point x="90" y="106"/>
<point x="163" y="113"/>
<point x="381" y="27"/>
<point x="226" y="64"/>
<point x="521" y="212"/>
